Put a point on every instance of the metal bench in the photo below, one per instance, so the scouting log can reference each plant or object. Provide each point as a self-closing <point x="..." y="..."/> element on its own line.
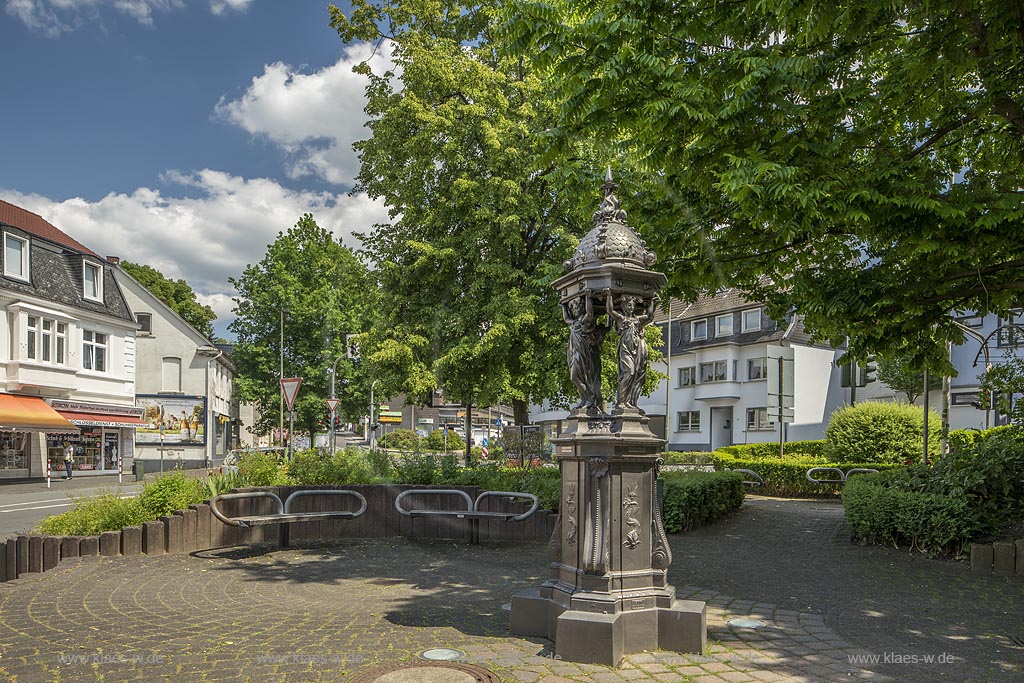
<point x="834" y="472"/>
<point x="284" y="514"/>
<point x="473" y="513"/>
<point x="750" y="478"/>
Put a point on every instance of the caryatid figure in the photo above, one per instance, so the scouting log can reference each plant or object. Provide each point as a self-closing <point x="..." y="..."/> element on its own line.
<point x="632" y="346"/>
<point x="584" y="351"/>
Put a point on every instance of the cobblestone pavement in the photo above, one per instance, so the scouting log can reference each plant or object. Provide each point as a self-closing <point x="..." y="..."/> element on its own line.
<point x="326" y="614"/>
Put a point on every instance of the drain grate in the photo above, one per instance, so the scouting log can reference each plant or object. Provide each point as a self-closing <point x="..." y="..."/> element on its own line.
<point x="427" y="672"/>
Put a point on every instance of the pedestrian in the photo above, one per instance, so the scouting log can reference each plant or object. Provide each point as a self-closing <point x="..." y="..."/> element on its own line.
<point x="69" y="459"/>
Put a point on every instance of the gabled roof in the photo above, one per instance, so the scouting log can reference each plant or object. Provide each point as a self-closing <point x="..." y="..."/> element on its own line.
<point x="37" y="226"/>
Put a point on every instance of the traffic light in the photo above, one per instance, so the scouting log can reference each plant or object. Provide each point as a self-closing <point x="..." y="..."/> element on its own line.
<point x="869" y="373"/>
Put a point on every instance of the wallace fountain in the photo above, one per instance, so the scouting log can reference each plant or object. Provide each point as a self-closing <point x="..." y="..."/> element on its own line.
<point x="608" y="594"/>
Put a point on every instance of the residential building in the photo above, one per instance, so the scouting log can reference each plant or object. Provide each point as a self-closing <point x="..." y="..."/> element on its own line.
<point x="67" y="345"/>
<point x="183" y="382"/>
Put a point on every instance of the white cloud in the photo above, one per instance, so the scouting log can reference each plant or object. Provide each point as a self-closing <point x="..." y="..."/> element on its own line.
<point x="222" y="6"/>
<point x="313" y="117"/>
<point x="54" y="17"/>
<point x="206" y="239"/>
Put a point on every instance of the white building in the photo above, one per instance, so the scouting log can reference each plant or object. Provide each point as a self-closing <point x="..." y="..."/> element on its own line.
<point x="67" y="345"/>
<point x="184" y="384"/>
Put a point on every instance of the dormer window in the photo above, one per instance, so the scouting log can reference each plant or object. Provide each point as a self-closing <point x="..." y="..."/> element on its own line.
<point x="16" y="257"/>
<point x="92" y="285"/>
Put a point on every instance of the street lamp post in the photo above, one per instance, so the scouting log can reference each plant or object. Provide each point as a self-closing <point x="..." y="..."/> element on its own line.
<point x="334" y="371"/>
<point x="371" y="432"/>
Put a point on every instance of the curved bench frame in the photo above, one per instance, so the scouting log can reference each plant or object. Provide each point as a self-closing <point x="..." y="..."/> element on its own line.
<point x="472" y="512"/>
<point x="843" y="476"/>
<point x="284" y="515"/>
<point x="750" y="478"/>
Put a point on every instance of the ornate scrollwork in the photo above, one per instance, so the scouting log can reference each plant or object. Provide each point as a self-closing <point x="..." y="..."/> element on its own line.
<point x="598" y="467"/>
<point x="630" y="507"/>
<point x="570" y="511"/>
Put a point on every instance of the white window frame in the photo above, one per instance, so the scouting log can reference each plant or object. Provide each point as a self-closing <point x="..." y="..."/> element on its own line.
<point x="32" y="329"/>
<point x="142" y="329"/>
<point x="86" y="265"/>
<point x="693" y="329"/>
<point x="690" y="424"/>
<point x="25" y="275"/>
<point x="763" y="362"/>
<point x="60" y="343"/>
<point x="91" y="346"/>
<point x="714" y="371"/>
<point x="692" y="373"/>
<point x="750" y="328"/>
<point x="718" y="325"/>
<point x="758" y="420"/>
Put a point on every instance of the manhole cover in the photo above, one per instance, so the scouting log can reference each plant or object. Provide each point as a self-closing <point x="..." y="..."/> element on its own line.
<point x="745" y="623"/>
<point x="428" y="672"/>
<point x="443" y="654"/>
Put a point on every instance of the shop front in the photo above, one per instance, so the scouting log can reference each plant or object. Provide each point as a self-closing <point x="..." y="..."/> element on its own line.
<point x="24" y="420"/>
<point x="106" y="437"/>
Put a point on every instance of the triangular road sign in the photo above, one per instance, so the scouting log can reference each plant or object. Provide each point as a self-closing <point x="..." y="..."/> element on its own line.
<point x="290" y="387"/>
<point x="332" y="404"/>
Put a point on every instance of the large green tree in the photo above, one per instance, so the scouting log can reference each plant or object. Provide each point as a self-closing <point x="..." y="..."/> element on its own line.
<point x="859" y="160"/>
<point x="480" y="221"/>
<point x="175" y="293"/>
<point x="314" y="286"/>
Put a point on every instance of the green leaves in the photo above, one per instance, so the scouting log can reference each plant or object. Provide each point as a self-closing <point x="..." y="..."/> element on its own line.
<point x="175" y="293"/>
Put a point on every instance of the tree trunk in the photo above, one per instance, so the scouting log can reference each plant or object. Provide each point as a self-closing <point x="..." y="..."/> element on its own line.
<point x="520" y="412"/>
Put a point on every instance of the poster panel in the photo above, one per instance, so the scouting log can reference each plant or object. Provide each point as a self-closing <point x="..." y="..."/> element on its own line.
<point x="180" y="419"/>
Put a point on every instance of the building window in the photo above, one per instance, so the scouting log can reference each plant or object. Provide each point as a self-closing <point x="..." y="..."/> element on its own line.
<point x="171" y="374"/>
<point x="688" y="420"/>
<point x="15" y="257"/>
<point x="14" y="450"/>
<point x="687" y="376"/>
<point x="62" y="342"/>
<point x="92" y="286"/>
<point x="752" y="320"/>
<point x="146" y="322"/>
<point x="94" y="351"/>
<point x="716" y="371"/>
<point x="965" y="399"/>
<point x="46" y="340"/>
<point x="1011" y="330"/>
<point x="758" y="420"/>
<point x="723" y="325"/>
<point x="699" y="329"/>
<point x="757" y="368"/>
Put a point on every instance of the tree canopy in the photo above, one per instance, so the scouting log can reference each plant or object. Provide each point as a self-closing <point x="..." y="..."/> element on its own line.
<point x="481" y="215"/>
<point x="175" y="293"/>
<point x="858" y="161"/>
<point x="322" y="289"/>
<point x="898" y="374"/>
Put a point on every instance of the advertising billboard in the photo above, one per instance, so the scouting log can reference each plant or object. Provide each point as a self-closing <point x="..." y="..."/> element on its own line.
<point x="178" y="419"/>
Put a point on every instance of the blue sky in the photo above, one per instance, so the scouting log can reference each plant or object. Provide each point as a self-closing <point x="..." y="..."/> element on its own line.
<point x="182" y="134"/>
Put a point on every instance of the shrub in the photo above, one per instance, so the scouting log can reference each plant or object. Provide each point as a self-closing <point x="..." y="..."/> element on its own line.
<point x="961" y="438"/>
<point x="879" y="513"/>
<point x="381" y="463"/>
<point x="415" y="469"/>
<point x="879" y="433"/>
<point x="687" y="457"/>
<point x="170" y="492"/>
<point x="972" y="493"/>
<point x="349" y="466"/>
<point x="260" y="468"/>
<point x="752" y="451"/>
<point x="436" y="441"/>
<point x="693" y="499"/>
<point x="90" y="516"/>
<point x="543" y="482"/>
<point x="405" y="440"/>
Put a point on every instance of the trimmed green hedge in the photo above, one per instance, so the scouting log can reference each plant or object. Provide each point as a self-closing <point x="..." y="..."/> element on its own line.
<point x="693" y="499"/>
<point x="961" y="438"/>
<point x="788" y="477"/>
<point x="880" y="432"/>
<point x="931" y="523"/>
<point x="752" y="451"/>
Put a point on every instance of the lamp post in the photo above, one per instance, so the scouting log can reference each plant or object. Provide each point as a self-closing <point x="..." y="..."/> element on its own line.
<point x="371" y="432"/>
<point x="212" y="353"/>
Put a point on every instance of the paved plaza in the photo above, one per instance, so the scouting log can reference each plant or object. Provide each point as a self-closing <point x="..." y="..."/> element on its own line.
<point x="832" y="611"/>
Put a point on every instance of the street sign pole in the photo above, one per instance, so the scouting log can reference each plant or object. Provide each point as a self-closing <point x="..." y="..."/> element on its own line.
<point x="290" y="389"/>
<point x="782" y="410"/>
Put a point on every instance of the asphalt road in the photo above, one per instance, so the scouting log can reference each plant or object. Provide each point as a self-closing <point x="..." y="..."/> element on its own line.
<point x="22" y="506"/>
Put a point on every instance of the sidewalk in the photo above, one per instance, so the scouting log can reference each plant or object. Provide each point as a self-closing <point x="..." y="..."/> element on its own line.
<point x="832" y="611"/>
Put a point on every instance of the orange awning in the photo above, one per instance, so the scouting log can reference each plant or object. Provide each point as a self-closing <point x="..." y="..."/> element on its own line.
<point x="27" y="413"/>
<point x="102" y="419"/>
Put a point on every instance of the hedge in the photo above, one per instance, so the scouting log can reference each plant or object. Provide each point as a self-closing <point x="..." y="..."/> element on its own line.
<point x="929" y="522"/>
<point x="788" y="477"/>
<point x="879" y="432"/>
<point x="752" y="451"/>
<point x="693" y="499"/>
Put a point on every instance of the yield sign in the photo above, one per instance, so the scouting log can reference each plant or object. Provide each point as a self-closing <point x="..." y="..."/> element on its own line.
<point x="290" y="387"/>
<point x="332" y="404"/>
